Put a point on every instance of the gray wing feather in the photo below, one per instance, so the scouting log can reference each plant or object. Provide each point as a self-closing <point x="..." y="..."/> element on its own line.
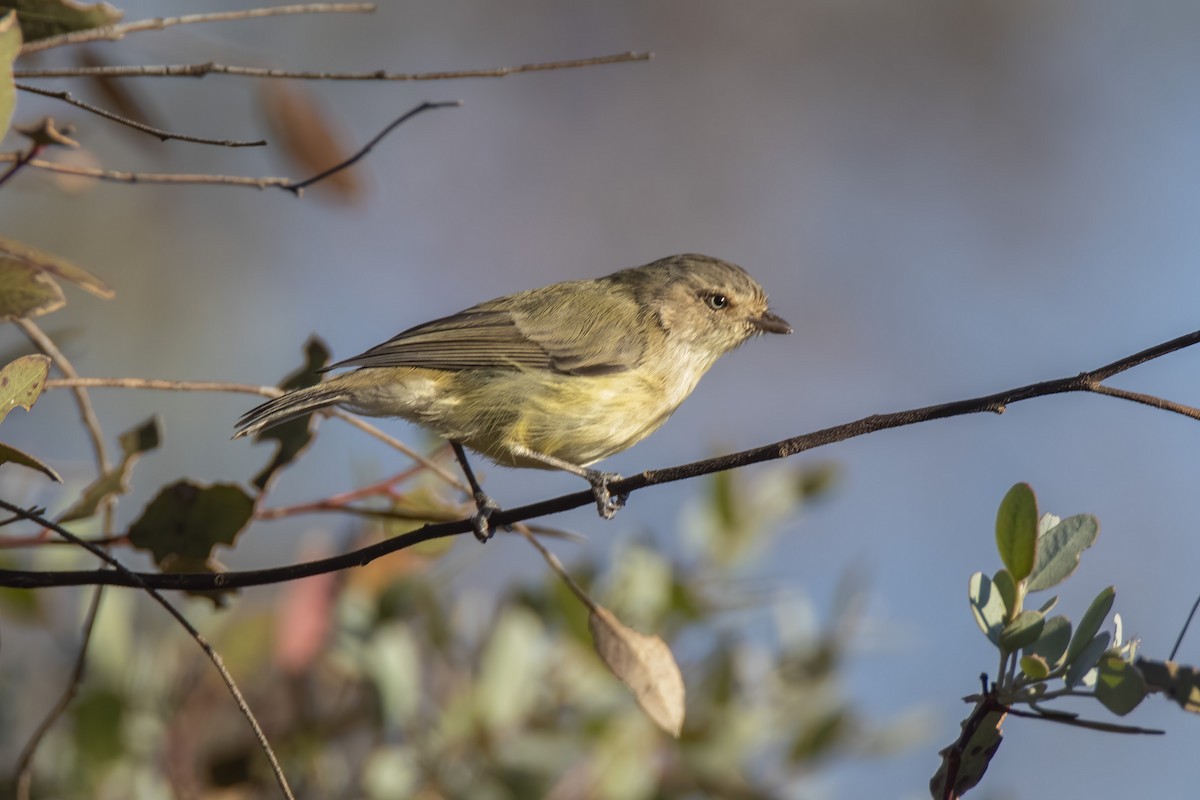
<point x="569" y="328"/>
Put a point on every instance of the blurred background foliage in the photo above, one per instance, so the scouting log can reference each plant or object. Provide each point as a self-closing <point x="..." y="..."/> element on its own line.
<point x="943" y="198"/>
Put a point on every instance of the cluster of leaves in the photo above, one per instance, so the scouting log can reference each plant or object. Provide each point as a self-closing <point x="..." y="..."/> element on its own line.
<point x="1045" y="658"/>
<point x="392" y="681"/>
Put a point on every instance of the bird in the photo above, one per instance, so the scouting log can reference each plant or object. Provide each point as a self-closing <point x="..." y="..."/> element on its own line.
<point x="557" y="377"/>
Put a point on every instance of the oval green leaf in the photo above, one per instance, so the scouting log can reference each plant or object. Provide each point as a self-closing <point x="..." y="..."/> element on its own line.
<point x="988" y="606"/>
<point x="1083" y="662"/>
<point x="1119" y="685"/>
<point x="1024" y="630"/>
<point x="1007" y="588"/>
<point x="1092" y="619"/>
<point x="1016" y="531"/>
<point x="1035" y="667"/>
<point x="1051" y="646"/>
<point x="1059" y="549"/>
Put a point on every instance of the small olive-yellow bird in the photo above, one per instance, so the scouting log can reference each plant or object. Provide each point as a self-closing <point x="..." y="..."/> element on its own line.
<point x="554" y="378"/>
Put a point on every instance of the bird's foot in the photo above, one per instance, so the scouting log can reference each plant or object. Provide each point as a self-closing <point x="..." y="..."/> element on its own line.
<point x="607" y="503"/>
<point x="482" y="520"/>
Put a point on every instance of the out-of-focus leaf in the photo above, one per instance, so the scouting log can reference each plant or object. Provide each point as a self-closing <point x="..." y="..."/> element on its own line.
<point x="10" y="46"/>
<point x="11" y="455"/>
<point x="1180" y="683"/>
<point x="644" y="664"/>
<point x="1016" y="531"/>
<point x="393" y="663"/>
<point x="48" y="133"/>
<point x="988" y="606"/>
<point x="98" y="717"/>
<point x="1051" y="646"/>
<point x="41" y="19"/>
<point x="1024" y="630"/>
<point x="59" y="267"/>
<point x="821" y="736"/>
<point x="294" y="435"/>
<point x="119" y="95"/>
<point x="134" y="442"/>
<point x="1059" y="550"/>
<point x="25" y="291"/>
<point x="510" y="670"/>
<point x="186" y="520"/>
<point x="20" y="604"/>
<point x="965" y="761"/>
<point x="1119" y="685"/>
<point x="22" y="381"/>
<point x="305" y="617"/>
<point x="306" y="134"/>
<point x="1091" y="621"/>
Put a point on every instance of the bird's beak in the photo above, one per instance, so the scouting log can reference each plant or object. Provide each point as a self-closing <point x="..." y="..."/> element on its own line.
<point x="769" y="323"/>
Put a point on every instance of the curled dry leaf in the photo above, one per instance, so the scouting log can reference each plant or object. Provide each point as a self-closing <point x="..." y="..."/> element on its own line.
<point x="644" y="664"/>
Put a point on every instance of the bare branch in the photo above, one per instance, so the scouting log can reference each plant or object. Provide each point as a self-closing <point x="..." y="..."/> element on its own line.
<point x="287" y="184"/>
<point x="210" y="68"/>
<point x="162" y="135"/>
<point x="120" y="569"/>
<point x="263" y="391"/>
<point x="993" y="403"/>
<point x="111" y="33"/>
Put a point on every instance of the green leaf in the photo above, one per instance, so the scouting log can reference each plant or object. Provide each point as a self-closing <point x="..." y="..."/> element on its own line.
<point x="134" y="442"/>
<point x="1024" y="630"/>
<point x="294" y="435"/>
<point x="1035" y="667"/>
<point x="186" y="520"/>
<point x="1049" y="605"/>
<point x="11" y="455"/>
<point x="59" y="267"/>
<point x="1051" y="646"/>
<point x="1179" y="682"/>
<point x="25" y="291"/>
<point x="21" y="382"/>
<point x="1083" y="661"/>
<point x="10" y="46"/>
<point x="1092" y="619"/>
<point x="1016" y="531"/>
<point x="1059" y="549"/>
<point x="1007" y="588"/>
<point x="988" y="606"/>
<point x="1119" y="685"/>
<point x="44" y="18"/>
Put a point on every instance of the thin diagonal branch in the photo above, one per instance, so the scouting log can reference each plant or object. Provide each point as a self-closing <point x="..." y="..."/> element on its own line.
<point x="159" y="133"/>
<point x="287" y="184"/>
<point x="263" y="391"/>
<point x="992" y="403"/>
<point x="210" y="68"/>
<point x="119" y="569"/>
<point x="111" y="33"/>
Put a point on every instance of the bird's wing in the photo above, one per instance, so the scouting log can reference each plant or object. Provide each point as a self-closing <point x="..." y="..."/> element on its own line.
<point x="584" y="330"/>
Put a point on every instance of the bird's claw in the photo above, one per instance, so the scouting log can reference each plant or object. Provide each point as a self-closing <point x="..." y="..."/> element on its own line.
<point x="482" y="520"/>
<point x="607" y="503"/>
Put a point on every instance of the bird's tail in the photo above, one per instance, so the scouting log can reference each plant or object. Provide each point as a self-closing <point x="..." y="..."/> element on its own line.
<point x="289" y="406"/>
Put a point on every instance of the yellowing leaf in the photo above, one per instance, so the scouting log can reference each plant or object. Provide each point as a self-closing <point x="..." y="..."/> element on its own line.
<point x="134" y="442"/>
<point x="644" y="664"/>
<point x="44" y="18"/>
<point x="60" y="267"/>
<point x="21" y="382"/>
<point x="10" y="46"/>
<point x="25" y="291"/>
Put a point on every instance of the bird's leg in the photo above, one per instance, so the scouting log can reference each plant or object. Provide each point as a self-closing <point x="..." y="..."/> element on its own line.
<point x="606" y="502"/>
<point x="485" y="506"/>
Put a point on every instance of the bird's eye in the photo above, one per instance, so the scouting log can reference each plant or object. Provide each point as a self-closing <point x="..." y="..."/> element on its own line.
<point x="716" y="301"/>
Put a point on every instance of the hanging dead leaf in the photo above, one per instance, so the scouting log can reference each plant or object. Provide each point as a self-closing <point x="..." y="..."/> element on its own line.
<point x="305" y="133"/>
<point x="644" y="664"/>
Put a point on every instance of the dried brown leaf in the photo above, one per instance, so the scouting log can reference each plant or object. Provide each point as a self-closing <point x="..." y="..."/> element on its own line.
<point x="644" y="664"/>
<point x="306" y="134"/>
